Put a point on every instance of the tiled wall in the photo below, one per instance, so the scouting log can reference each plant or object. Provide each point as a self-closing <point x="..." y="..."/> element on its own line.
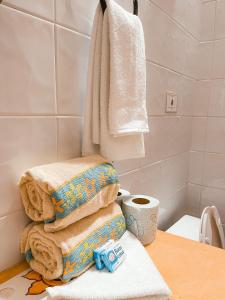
<point x="44" y="48"/>
<point x="207" y="157"/>
<point x="172" y="38"/>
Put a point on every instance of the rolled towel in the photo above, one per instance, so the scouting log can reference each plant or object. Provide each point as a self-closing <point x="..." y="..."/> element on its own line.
<point x="64" y="192"/>
<point x="68" y="253"/>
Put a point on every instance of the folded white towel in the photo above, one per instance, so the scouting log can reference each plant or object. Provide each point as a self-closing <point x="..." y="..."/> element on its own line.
<point x="127" y="99"/>
<point x="136" y="278"/>
<point x="115" y="113"/>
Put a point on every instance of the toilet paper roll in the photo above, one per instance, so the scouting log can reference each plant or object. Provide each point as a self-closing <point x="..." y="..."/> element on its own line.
<point x="122" y="195"/>
<point x="141" y="214"/>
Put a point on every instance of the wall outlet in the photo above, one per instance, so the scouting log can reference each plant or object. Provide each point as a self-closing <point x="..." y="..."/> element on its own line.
<point x="171" y="102"/>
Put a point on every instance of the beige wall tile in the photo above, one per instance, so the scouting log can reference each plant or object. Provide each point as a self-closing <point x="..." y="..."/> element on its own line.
<point x="42" y="8"/>
<point x="200" y="101"/>
<point x="194" y="198"/>
<point x="220" y="19"/>
<point x="11" y="227"/>
<point x="198" y="136"/>
<point x="207" y="20"/>
<point x="196" y="167"/>
<point x="215" y="133"/>
<point x="168" y="136"/>
<point x="27" y="77"/>
<point x="184" y="12"/>
<point x="27" y="142"/>
<point x="76" y="14"/>
<point x="214" y="171"/>
<point x="69" y="137"/>
<point x="71" y="64"/>
<point x="204" y="60"/>
<point x="217" y="98"/>
<point x="219" y="59"/>
<point x="174" y="174"/>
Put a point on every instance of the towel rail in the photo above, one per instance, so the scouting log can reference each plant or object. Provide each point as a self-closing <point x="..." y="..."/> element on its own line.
<point x="135" y="4"/>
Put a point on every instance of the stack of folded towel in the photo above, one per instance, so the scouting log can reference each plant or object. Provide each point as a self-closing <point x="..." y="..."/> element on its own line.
<point x="72" y="204"/>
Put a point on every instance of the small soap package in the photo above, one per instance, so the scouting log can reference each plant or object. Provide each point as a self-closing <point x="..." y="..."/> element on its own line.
<point x="113" y="256"/>
<point x="109" y="255"/>
<point x="97" y="254"/>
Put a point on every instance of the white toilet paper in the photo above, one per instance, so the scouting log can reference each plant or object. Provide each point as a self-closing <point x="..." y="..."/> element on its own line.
<point x="122" y="195"/>
<point x="141" y="214"/>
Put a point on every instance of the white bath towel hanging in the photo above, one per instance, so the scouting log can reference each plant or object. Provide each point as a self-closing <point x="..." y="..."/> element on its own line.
<point x="115" y="113"/>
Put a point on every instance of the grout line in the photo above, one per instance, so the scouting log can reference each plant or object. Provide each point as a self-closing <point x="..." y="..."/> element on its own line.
<point x="71" y="29"/>
<point x="170" y="69"/>
<point x="182" y="27"/>
<point x="166" y="115"/>
<point x="152" y="164"/>
<point x="207" y="186"/>
<point x="56" y="84"/>
<point x="41" y="18"/>
<point x="5" y="216"/>
<point x="209" y="152"/>
<point x="38" y="116"/>
<point x="169" y="115"/>
<point x="28" y="13"/>
<point x="209" y="116"/>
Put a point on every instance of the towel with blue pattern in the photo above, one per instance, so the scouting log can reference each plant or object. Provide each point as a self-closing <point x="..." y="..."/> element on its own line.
<point x="65" y="192"/>
<point x="67" y="253"/>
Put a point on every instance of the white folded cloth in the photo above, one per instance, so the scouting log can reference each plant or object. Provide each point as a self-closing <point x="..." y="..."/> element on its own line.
<point x="136" y="278"/>
<point x="115" y="113"/>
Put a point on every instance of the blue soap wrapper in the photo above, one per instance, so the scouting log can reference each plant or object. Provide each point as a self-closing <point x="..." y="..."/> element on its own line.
<point x="97" y="254"/>
<point x="113" y="256"/>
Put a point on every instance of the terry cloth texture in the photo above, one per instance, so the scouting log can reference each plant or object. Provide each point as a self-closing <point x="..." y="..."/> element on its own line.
<point x="68" y="253"/>
<point x="115" y="114"/>
<point x="136" y="278"/>
<point x="64" y="192"/>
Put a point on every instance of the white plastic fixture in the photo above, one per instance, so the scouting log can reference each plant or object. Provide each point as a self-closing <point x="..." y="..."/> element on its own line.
<point x="171" y="102"/>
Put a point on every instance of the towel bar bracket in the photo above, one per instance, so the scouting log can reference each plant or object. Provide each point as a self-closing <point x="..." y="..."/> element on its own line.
<point x="135" y="5"/>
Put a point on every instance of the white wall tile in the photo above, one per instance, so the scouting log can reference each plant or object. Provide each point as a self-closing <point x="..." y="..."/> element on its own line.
<point x="165" y="41"/>
<point x="217" y="98"/>
<point x="161" y="80"/>
<point x="174" y="174"/>
<point x="207" y="20"/>
<point x="42" y="8"/>
<point x="214" y="171"/>
<point x="219" y="59"/>
<point x="216" y="197"/>
<point x="184" y="12"/>
<point x="69" y="137"/>
<point x="172" y="208"/>
<point x="11" y="227"/>
<point x="200" y="101"/>
<point x="72" y="60"/>
<point x="27" y="142"/>
<point x="194" y="198"/>
<point x="204" y="60"/>
<point x="76" y="14"/>
<point x="220" y="19"/>
<point x="144" y="181"/>
<point x="198" y="136"/>
<point x="196" y="167"/>
<point x="127" y="165"/>
<point x="27" y="74"/>
<point x="168" y="136"/>
<point x="215" y="133"/>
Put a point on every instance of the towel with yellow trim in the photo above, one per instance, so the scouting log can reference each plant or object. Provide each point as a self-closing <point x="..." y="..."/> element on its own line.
<point x="69" y="252"/>
<point x="65" y="192"/>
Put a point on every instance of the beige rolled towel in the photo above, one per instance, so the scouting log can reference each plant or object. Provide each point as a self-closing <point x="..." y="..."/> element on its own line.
<point x="69" y="252"/>
<point x="64" y="192"/>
